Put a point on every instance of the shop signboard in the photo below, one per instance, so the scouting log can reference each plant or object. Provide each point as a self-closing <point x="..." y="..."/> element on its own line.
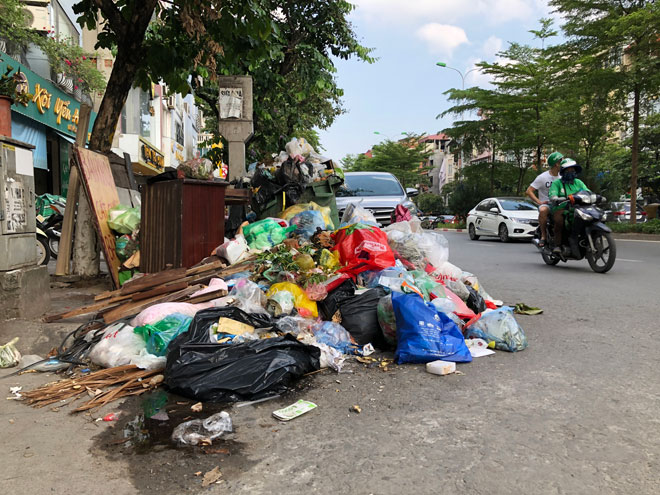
<point x="49" y="105"/>
<point x="150" y="159"/>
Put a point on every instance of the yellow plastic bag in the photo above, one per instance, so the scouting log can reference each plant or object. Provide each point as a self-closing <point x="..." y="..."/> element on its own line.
<point x="292" y="211"/>
<point x="330" y="260"/>
<point x="305" y="306"/>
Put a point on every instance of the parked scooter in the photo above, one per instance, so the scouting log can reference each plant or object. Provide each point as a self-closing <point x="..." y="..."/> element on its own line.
<point x="43" y="250"/>
<point x="590" y="238"/>
<point x="53" y="226"/>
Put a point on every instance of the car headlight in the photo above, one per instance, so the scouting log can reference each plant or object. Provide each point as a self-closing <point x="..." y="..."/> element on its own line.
<point x="523" y="220"/>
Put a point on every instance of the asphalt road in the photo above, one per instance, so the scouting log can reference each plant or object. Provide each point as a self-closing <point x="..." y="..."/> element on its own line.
<point x="576" y="412"/>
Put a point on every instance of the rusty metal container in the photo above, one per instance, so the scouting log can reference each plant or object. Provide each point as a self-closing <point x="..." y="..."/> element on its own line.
<point x="182" y="222"/>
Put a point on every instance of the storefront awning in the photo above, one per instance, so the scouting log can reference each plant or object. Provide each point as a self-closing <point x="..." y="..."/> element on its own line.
<point x="66" y="138"/>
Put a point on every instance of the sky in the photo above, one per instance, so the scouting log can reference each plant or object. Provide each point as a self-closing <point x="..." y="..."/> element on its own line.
<point x="403" y="90"/>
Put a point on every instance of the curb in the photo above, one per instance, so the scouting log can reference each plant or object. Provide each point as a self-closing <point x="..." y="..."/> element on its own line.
<point x="636" y="237"/>
<point x="452" y="230"/>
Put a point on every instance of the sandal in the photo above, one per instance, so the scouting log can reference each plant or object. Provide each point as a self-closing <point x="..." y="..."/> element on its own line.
<point x="542" y="243"/>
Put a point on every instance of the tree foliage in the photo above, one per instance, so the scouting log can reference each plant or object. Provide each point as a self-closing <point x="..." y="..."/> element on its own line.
<point x="405" y="159"/>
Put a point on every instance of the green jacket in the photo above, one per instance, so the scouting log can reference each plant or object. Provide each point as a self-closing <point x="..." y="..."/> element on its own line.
<point x="560" y="190"/>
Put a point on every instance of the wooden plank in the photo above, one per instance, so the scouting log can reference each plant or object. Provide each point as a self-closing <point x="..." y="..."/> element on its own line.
<point x="66" y="237"/>
<point x="153" y="280"/>
<point x="134" y="307"/>
<point x="129" y="172"/>
<point x="162" y="289"/>
<point x="204" y="268"/>
<point x="206" y="297"/>
<point x="99" y="186"/>
<point x="85" y="309"/>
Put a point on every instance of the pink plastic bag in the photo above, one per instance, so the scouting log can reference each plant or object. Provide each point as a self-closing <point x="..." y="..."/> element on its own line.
<point x="157" y="312"/>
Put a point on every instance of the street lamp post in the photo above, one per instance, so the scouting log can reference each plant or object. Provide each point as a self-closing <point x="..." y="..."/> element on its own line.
<point x="445" y="66"/>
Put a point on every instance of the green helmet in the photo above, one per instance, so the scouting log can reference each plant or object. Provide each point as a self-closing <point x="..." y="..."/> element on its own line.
<point x="554" y="158"/>
<point x="567" y="163"/>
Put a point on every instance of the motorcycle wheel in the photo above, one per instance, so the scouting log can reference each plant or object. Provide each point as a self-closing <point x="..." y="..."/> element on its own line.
<point x="549" y="259"/>
<point x="43" y="251"/>
<point x="603" y="259"/>
<point x="54" y="245"/>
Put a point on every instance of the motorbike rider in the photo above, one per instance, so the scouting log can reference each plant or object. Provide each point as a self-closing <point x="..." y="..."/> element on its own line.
<point x="567" y="184"/>
<point x="538" y="191"/>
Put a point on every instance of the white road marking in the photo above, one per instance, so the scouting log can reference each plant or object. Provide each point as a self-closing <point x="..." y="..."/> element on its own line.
<point x="631" y="261"/>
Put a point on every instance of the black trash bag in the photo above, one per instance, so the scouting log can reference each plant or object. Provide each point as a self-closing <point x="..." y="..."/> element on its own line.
<point x="289" y="171"/>
<point x="248" y="371"/>
<point x="474" y="301"/>
<point x="359" y="315"/>
<point x="198" y="332"/>
<point x="329" y="306"/>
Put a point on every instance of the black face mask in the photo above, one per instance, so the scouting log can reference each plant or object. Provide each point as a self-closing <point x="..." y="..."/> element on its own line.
<point x="569" y="176"/>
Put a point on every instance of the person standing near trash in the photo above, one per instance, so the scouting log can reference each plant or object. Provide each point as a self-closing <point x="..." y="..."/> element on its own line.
<point x="538" y="192"/>
<point x="568" y="184"/>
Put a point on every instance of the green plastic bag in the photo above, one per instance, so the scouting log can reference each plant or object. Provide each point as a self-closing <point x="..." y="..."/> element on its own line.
<point x="266" y="233"/>
<point x="124" y="220"/>
<point x="159" y="335"/>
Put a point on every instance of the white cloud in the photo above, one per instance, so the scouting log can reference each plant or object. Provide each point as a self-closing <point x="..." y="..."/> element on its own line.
<point x="487" y="11"/>
<point x="491" y="47"/>
<point x="442" y="38"/>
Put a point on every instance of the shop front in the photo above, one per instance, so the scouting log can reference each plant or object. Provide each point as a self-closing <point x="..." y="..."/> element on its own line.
<point x="49" y="122"/>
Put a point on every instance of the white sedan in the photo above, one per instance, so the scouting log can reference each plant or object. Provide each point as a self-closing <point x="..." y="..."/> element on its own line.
<point x="506" y="218"/>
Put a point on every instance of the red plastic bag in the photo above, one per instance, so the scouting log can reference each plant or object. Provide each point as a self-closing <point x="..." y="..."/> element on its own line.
<point x="362" y="247"/>
<point x="402" y="214"/>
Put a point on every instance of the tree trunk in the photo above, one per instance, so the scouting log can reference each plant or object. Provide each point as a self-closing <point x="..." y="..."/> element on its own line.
<point x="86" y="257"/>
<point x="492" y="172"/>
<point x="129" y="56"/>
<point x="635" y="156"/>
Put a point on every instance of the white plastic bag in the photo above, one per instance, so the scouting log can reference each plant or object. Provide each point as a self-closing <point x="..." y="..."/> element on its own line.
<point x="121" y="346"/>
<point x="233" y="251"/>
<point x="448" y="272"/>
<point x="202" y="430"/>
<point x="293" y="148"/>
<point x="420" y="248"/>
<point x="250" y="298"/>
<point x="355" y="213"/>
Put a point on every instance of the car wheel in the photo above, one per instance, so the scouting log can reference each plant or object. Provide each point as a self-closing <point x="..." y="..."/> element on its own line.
<point x="473" y="233"/>
<point x="503" y="232"/>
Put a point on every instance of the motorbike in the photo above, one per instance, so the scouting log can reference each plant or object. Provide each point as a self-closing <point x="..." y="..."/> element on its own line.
<point x="589" y="237"/>
<point x="53" y="227"/>
<point x="43" y="250"/>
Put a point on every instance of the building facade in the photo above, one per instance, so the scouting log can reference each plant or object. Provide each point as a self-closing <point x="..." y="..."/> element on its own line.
<point x="441" y="162"/>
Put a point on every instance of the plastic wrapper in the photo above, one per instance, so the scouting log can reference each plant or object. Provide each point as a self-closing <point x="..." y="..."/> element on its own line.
<point x="474" y="301"/>
<point x="447" y="272"/>
<point x="428" y="286"/>
<point x="459" y="288"/>
<point x="316" y="292"/>
<point x="332" y="334"/>
<point x="329" y="260"/>
<point x="424" y="334"/>
<point x="499" y="326"/>
<point x="126" y="246"/>
<point x="203" y="431"/>
<point x="233" y="251"/>
<point x="159" y="335"/>
<point x="120" y="346"/>
<point x="307" y="223"/>
<point x="359" y="316"/>
<point x="250" y="298"/>
<point x="444" y="304"/>
<point x="233" y="372"/>
<point x="157" y="312"/>
<point x="305" y="306"/>
<point x="363" y="248"/>
<point x="9" y="355"/>
<point x="197" y="168"/>
<point x="280" y="303"/>
<point x="387" y="319"/>
<point x="355" y="213"/>
<point x="264" y="234"/>
<point x="420" y="249"/>
<point x="124" y="220"/>
<point x="294" y="325"/>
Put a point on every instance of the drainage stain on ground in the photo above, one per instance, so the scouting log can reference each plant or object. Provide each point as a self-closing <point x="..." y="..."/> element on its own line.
<point x="155" y="463"/>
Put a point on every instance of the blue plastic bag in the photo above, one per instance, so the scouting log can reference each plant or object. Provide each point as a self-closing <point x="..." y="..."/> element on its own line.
<point x="307" y="222"/>
<point x="425" y="334"/>
<point x="501" y="327"/>
<point x="334" y="335"/>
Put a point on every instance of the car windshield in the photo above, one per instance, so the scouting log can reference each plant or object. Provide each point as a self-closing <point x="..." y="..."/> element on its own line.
<point x="370" y="185"/>
<point x="517" y="205"/>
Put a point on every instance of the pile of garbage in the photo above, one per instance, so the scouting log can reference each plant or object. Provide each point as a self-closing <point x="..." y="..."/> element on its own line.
<point x="124" y="221"/>
<point x="288" y="295"/>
